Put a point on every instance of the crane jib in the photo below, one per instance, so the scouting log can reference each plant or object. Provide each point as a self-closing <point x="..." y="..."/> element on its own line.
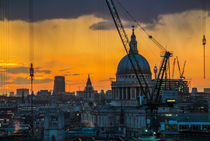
<point x="111" y="6"/>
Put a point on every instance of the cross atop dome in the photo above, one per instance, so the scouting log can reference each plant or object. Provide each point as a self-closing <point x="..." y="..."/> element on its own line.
<point x="133" y="43"/>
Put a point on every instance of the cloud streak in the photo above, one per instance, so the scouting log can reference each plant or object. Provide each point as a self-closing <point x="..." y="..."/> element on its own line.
<point x="107" y="25"/>
<point x="104" y="25"/>
<point x="22" y="69"/>
<point x="21" y="80"/>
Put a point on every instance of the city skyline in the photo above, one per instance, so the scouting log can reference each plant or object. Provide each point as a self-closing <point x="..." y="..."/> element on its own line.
<point x="87" y="43"/>
<point x="104" y="70"/>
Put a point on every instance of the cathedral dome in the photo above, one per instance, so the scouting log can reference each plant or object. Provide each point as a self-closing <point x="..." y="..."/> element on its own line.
<point x="125" y="66"/>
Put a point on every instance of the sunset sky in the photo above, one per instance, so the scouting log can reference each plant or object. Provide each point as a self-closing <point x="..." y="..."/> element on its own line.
<point x="75" y="38"/>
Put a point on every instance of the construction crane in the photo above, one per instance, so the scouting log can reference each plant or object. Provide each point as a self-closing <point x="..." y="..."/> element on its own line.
<point x="125" y="41"/>
<point x="157" y="43"/>
<point x="153" y="98"/>
<point x="174" y="63"/>
<point x="181" y="73"/>
<point x="142" y="28"/>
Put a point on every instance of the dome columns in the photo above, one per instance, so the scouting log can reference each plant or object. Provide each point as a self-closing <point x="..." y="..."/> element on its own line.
<point x="126" y="93"/>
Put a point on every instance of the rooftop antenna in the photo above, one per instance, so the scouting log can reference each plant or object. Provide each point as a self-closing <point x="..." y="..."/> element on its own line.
<point x="32" y="78"/>
<point x="155" y="71"/>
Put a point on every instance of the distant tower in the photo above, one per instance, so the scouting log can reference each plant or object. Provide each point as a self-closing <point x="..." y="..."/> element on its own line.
<point x="89" y="90"/>
<point x="88" y="86"/>
<point x="59" y="85"/>
<point x="155" y="71"/>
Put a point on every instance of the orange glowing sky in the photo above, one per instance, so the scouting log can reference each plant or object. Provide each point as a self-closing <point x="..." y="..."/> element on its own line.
<point x="69" y="47"/>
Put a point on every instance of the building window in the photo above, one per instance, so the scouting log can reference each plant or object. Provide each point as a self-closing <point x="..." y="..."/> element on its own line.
<point x="133" y="93"/>
<point x="120" y="93"/>
<point x="137" y="92"/>
<point x="129" y="93"/>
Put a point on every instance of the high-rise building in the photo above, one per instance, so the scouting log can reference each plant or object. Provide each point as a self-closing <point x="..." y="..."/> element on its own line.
<point x="59" y="85"/>
<point x="22" y="92"/>
<point x="207" y="90"/>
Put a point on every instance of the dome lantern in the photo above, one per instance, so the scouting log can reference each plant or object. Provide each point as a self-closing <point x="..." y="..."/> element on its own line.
<point x="133" y="43"/>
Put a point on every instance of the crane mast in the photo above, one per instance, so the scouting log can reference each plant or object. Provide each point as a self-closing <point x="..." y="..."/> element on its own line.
<point x="173" y="68"/>
<point x="153" y="99"/>
<point x="181" y="73"/>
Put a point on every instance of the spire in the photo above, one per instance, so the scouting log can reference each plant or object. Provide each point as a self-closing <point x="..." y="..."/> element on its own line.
<point x="88" y="81"/>
<point x="88" y="86"/>
<point x="133" y="43"/>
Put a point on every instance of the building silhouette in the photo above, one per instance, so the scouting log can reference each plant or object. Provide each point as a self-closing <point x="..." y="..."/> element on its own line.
<point x="22" y="92"/>
<point x="89" y="94"/>
<point x="59" y="85"/>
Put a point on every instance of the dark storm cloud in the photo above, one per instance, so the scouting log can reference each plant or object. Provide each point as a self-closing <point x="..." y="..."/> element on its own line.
<point x="18" y="70"/>
<point x="5" y="79"/>
<point x="146" y="11"/>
